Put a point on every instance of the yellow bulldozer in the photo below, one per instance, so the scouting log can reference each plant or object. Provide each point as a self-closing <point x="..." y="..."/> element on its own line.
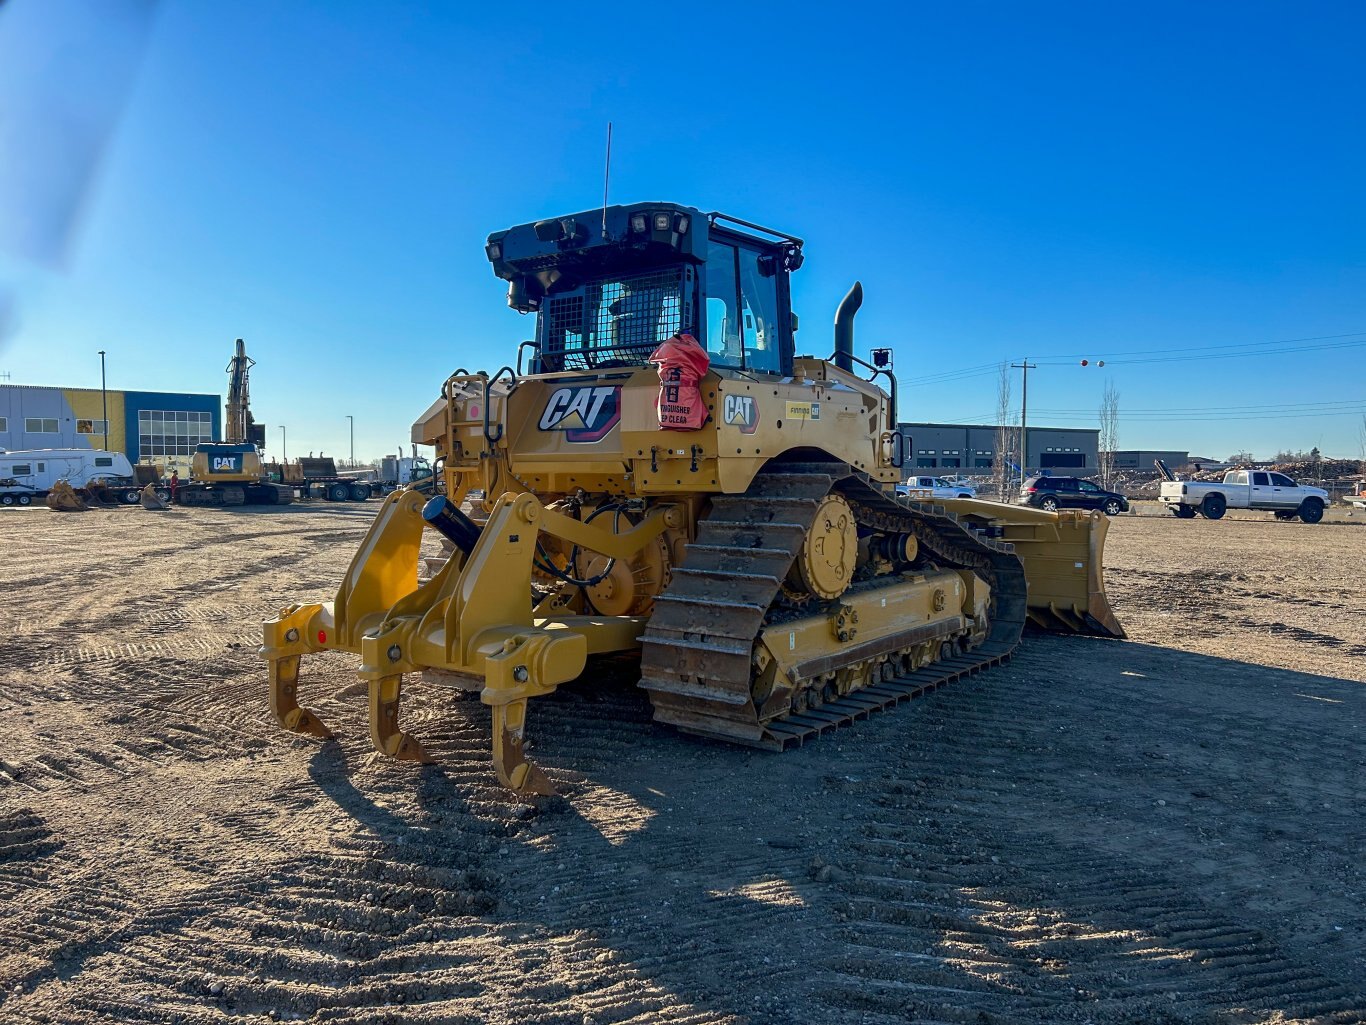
<point x="667" y="476"/>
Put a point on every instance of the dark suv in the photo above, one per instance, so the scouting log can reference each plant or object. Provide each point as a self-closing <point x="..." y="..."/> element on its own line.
<point x="1071" y="493"/>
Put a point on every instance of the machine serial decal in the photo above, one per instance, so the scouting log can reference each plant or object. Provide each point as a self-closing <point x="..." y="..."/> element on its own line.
<point x="585" y="413"/>
<point x="743" y="412"/>
<point x="803" y="410"/>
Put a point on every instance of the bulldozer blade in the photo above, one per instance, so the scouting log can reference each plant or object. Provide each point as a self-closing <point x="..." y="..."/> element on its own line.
<point x="510" y="762"/>
<point x="1063" y="554"/>
<point x="284" y="700"/>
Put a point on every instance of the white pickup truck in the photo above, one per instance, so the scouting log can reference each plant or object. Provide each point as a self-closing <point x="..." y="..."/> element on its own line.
<point x="1245" y="489"/>
<point x="938" y="487"/>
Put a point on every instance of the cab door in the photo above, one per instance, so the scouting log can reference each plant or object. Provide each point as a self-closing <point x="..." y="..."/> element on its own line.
<point x="1088" y="495"/>
<point x="1284" y="491"/>
<point x="1260" y="492"/>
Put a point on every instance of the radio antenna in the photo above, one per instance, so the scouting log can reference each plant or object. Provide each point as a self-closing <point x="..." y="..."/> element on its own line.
<point x="606" y="180"/>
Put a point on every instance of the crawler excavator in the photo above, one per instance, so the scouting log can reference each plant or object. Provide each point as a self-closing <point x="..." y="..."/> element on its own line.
<point x="729" y="514"/>
<point x="230" y="472"/>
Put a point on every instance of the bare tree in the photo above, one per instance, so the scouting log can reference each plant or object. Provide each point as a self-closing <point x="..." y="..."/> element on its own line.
<point x="1109" y="433"/>
<point x="1007" y="435"/>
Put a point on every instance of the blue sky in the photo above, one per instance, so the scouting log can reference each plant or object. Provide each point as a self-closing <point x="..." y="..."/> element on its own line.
<point x="1008" y="180"/>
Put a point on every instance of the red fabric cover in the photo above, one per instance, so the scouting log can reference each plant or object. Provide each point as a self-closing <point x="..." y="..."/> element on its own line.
<point x="682" y="363"/>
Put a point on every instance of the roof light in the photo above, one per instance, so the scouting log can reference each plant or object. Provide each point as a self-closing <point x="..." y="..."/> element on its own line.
<point x="661" y="222"/>
<point x="494" y="251"/>
<point x="681" y="224"/>
<point x="639" y="223"/>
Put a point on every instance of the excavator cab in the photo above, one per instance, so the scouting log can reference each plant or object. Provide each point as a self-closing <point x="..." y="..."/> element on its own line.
<point x="608" y="287"/>
<point x="226" y="462"/>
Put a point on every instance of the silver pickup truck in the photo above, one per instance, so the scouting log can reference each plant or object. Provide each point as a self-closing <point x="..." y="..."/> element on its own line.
<point x="1245" y="489"/>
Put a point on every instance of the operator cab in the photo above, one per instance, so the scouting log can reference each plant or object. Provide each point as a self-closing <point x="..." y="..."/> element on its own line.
<point x="609" y="286"/>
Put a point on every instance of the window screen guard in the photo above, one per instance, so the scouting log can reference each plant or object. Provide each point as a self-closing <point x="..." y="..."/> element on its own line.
<point x="620" y="320"/>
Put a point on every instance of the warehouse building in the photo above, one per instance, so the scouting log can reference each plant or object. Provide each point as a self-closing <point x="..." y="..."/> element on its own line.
<point x="971" y="448"/>
<point x="1143" y="458"/>
<point x="157" y="427"/>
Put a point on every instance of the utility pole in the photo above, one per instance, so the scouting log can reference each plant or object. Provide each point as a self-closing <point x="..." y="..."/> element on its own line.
<point x="1024" y="366"/>
<point x="104" y="401"/>
<point x="284" y="456"/>
<point x="353" y="439"/>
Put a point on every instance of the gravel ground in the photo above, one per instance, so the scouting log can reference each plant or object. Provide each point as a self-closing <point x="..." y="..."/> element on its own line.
<point x="1162" y="830"/>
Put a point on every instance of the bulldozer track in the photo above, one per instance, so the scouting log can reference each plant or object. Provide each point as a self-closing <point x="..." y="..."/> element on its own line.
<point x="696" y="650"/>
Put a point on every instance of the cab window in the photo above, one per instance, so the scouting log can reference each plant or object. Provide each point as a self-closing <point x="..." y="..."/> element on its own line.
<point x="1259" y="479"/>
<point x="1282" y="481"/>
<point x="742" y="309"/>
<point x="1086" y="485"/>
<point x="724" y="345"/>
<point x="759" y="312"/>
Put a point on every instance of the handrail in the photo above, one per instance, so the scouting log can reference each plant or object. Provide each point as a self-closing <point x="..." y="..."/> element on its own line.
<point x="459" y="372"/>
<point x="898" y="448"/>
<point x="533" y="345"/>
<point x="877" y="372"/>
<point x="489" y="382"/>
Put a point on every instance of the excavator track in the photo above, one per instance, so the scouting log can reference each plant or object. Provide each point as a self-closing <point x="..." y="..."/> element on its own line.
<point x="696" y="655"/>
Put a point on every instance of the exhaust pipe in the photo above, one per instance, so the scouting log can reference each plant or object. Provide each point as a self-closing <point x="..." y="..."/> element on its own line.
<point x="844" y="327"/>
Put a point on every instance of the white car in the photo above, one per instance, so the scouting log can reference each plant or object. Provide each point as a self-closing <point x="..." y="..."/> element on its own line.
<point x="938" y="487"/>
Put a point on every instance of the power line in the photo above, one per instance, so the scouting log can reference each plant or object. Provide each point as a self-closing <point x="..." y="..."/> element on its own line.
<point x="1256" y="406"/>
<point x="1227" y="355"/>
<point x="1228" y="345"/>
<point x="1201" y="417"/>
<point x="1232" y="350"/>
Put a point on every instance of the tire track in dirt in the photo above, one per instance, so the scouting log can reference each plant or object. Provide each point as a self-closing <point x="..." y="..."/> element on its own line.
<point x="1097" y="832"/>
<point x="168" y="657"/>
<point x="954" y="906"/>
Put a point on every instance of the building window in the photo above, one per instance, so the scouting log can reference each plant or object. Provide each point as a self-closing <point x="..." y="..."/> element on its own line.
<point x="925" y="463"/>
<point x="163" y="432"/>
<point x="92" y="427"/>
<point x="39" y="425"/>
<point x="4" y="425"/>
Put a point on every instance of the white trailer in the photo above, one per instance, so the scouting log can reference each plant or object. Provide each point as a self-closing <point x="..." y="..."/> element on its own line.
<point x="28" y="475"/>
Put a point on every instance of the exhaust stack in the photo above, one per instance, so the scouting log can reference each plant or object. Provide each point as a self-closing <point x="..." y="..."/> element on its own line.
<point x="844" y="327"/>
